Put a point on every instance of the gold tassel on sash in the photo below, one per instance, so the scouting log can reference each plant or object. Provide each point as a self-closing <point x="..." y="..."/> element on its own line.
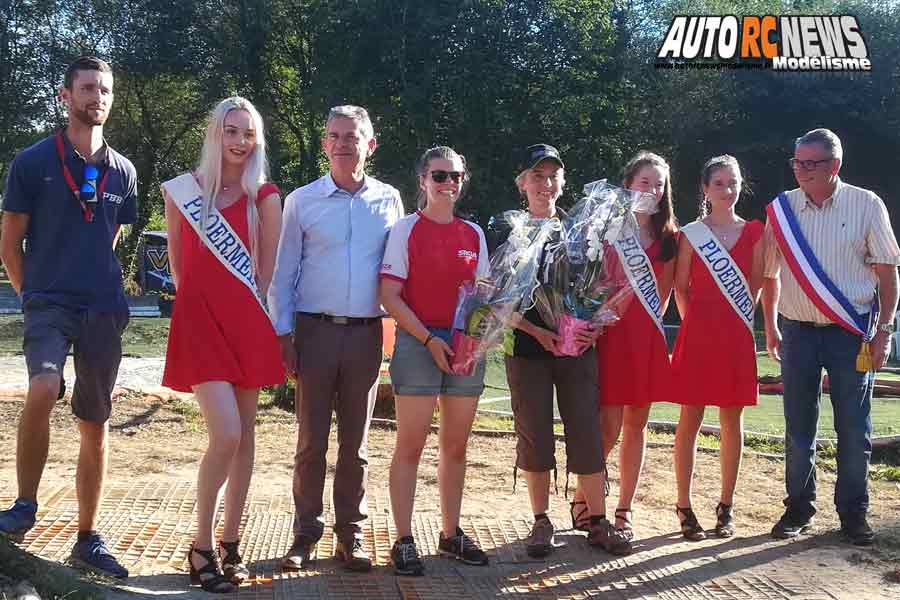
<point x="864" y="358"/>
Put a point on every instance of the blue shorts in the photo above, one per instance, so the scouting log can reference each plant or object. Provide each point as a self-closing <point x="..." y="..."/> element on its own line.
<point x="414" y="372"/>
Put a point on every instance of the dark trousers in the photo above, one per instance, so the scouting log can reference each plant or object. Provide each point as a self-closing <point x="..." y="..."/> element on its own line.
<point x="338" y="368"/>
<point x="805" y="351"/>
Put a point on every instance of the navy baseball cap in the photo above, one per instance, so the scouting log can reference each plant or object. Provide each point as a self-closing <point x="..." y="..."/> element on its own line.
<point x="538" y="152"/>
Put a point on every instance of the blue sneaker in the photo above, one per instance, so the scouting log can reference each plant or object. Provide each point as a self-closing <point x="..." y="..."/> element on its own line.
<point x="93" y="555"/>
<point x="15" y="522"/>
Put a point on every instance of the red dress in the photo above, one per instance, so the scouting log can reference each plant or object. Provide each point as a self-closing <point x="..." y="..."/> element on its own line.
<point x="219" y="332"/>
<point x="714" y="362"/>
<point x="632" y="356"/>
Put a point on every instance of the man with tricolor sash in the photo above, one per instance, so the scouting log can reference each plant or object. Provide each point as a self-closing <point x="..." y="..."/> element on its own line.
<point x="831" y="278"/>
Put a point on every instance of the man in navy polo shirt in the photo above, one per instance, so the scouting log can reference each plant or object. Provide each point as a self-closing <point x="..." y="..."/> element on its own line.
<point x="66" y="198"/>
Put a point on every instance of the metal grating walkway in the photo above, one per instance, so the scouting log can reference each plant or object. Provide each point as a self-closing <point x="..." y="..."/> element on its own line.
<point x="150" y="527"/>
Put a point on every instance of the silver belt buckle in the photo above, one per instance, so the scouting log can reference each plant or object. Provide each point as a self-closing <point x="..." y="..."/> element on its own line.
<point x="340" y="320"/>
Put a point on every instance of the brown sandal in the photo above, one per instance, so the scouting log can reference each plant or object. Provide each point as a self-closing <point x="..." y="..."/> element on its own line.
<point x="581" y="520"/>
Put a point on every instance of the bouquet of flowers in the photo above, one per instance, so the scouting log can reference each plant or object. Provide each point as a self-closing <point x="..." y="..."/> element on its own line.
<point x="581" y="288"/>
<point x="486" y="307"/>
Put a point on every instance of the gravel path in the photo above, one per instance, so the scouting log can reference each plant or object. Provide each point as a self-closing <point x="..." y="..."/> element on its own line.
<point x="135" y="373"/>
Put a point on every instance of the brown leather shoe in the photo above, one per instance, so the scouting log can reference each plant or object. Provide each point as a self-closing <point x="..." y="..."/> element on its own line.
<point x="539" y="542"/>
<point x="351" y="553"/>
<point x="609" y="538"/>
<point x="298" y="557"/>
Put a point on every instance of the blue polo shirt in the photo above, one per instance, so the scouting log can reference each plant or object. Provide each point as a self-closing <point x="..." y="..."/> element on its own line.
<point x="69" y="261"/>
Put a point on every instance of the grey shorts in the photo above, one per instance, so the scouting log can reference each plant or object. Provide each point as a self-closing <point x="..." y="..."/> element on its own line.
<point x="414" y="372"/>
<point x="96" y="341"/>
<point x="531" y="383"/>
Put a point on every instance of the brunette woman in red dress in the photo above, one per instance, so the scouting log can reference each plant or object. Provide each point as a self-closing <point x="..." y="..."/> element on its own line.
<point x="714" y="361"/>
<point x="632" y="355"/>
<point x="222" y="346"/>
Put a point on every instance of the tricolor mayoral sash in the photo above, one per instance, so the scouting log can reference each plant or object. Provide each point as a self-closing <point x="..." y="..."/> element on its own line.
<point x="641" y="277"/>
<point x="809" y="273"/>
<point x="218" y="236"/>
<point x="724" y="270"/>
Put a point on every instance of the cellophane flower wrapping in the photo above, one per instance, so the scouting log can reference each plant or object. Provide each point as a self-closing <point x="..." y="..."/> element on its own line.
<point x="583" y="285"/>
<point x="486" y="307"/>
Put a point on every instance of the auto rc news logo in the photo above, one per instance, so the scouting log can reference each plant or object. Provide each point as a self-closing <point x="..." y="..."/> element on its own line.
<point x="803" y="43"/>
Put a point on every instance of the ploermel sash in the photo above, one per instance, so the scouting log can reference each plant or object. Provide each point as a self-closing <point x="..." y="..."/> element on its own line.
<point x="218" y="236"/>
<point x="641" y="277"/>
<point x="724" y="270"/>
<point x="808" y="271"/>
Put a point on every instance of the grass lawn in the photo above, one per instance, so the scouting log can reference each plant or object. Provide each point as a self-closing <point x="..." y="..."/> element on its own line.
<point x="144" y="336"/>
<point x="147" y="337"/>
<point x="766" y="417"/>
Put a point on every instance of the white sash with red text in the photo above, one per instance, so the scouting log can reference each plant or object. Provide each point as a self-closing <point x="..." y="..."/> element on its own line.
<point x="641" y="277"/>
<point x="724" y="270"/>
<point x="805" y="267"/>
<point x="218" y="236"/>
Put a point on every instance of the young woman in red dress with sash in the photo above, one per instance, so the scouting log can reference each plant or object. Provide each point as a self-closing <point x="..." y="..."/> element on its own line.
<point x="632" y="355"/>
<point x="222" y="346"/>
<point x="717" y="281"/>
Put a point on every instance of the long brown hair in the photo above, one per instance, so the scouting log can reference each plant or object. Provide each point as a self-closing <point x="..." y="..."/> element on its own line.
<point x="662" y="223"/>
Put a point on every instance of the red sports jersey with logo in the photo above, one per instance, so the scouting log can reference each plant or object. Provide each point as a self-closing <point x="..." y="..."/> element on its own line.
<point x="432" y="260"/>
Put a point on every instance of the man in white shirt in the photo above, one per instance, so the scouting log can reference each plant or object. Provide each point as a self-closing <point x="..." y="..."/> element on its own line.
<point x="324" y="303"/>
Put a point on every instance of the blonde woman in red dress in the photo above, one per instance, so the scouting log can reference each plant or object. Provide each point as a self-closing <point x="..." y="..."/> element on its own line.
<point x="714" y="361"/>
<point x="222" y="346"/>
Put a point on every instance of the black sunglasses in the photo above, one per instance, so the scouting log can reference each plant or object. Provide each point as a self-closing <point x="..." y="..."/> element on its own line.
<point x="440" y="176"/>
<point x="808" y="165"/>
<point x="88" y="191"/>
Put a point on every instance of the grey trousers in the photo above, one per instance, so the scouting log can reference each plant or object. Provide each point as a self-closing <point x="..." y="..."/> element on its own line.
<point x="338" y="367"/>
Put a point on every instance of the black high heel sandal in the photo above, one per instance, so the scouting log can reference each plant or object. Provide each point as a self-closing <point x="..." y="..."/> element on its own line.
<point x="690" y="527"/>
<point x="624" y="515"/>
<point x="724" y="521"/>
<point x="233" y="566"/>
<point x="209" y="577"/>
<point x="581" y="520"/>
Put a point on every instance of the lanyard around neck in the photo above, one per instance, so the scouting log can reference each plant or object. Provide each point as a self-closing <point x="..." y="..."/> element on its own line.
<point x="86" y="210"/>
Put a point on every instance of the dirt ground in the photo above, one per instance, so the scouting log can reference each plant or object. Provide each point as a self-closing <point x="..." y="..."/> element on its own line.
<point x="151" y="440"/>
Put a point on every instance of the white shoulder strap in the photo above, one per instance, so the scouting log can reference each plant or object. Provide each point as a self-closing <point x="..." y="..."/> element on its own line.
<point x="641" y="277"/>
<point x="724" y="270"/>
<point x="218" y="236"/>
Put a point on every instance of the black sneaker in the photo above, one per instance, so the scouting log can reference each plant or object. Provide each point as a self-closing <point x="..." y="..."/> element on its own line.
<point x="856" y="528"/>
<point x="462" y="548"/>
<point x="791" y="524"/>
<point x="405" y="557"/>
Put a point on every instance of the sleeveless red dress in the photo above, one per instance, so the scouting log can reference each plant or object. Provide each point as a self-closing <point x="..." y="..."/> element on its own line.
<point x="632" y="356"/>
<point x="218" y="330"/>
<point x="714" y="361"/>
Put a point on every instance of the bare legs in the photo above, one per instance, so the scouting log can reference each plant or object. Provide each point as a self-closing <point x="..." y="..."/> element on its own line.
<point x="414" y="414"/>
<point x="732" y="444"/>
<point x="230" y="415"/>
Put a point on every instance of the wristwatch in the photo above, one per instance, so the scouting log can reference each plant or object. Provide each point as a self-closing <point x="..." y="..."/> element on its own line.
<point x="886" y="327"/>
